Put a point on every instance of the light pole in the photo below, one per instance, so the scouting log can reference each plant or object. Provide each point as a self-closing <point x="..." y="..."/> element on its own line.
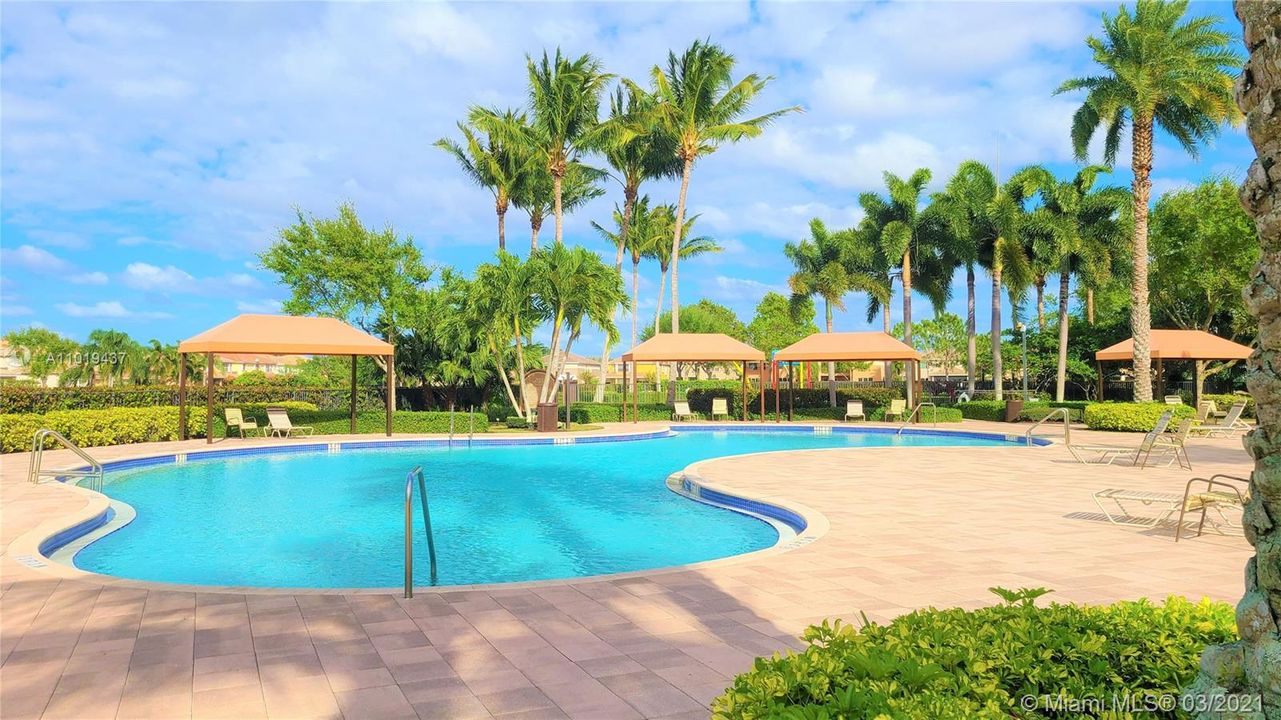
<point x="1023" y="334"/>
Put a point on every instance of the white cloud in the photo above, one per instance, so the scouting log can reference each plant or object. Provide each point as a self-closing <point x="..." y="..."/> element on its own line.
<point x="89" y="278"/>
<point x="108" y="309"/>
<point x="15" y="310"/>
<point x="266" y="306"/>
<point x="144" y="276"/>
<point x="733" y="289"/>
<point x="37" y="260"/>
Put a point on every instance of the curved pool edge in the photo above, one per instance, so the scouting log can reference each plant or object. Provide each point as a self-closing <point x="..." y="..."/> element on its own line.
<point x="39" y="548"/>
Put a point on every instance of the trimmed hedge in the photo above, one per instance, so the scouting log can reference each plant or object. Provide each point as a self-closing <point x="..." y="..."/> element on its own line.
<point x="596" y="413"/>
<point x="956" y="664"/>
<point x="336" y="422"/>
<point x="1131" y="416"/>
<point x="992" y="410"/>
<point x="1227" y="400"/>
<point x="930" y="415"/>
<point x="20" y="399"/>
<point x="1038" y="411"/>
<point x="95" y="428"/>
<point x="873" y="396"/>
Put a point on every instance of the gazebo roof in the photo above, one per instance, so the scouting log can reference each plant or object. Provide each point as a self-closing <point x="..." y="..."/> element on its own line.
<point x="693" y="347"/>
<point x="286" y="335"/>
<point x="1180" y="345"/>
<point x="846" y="346"/>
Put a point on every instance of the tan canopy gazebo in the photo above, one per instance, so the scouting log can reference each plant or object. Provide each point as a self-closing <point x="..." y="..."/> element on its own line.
<point x="693" y="347"/>
<point x="280" y="335"/>
<point x="844" y="347"/>
<point x="1196" y="345"/>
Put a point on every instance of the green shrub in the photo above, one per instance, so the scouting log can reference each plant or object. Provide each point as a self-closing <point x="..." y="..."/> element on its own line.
<point x="336" y="422"/>
<point x="517" y="422"/>
<point x="958" y="664"/>
<point x="17" y="399"/>
<point x="817" y="397"/>
<point x="1039" y="411"/>
<point x="1226" y="400"/>
<point x="1130" y="416"/>
<point x="95" y="428"/>
<point x="993" y="410"/>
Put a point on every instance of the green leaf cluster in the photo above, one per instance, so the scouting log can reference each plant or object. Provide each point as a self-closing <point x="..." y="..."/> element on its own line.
<point x="1131" y="416"/>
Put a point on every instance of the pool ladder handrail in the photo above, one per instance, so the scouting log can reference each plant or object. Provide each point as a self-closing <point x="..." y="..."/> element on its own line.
<point x="409" y="528"/>
<point x="35" y="471"/>
<point x="916" y="413"/>
<point x="1067" y="426"/>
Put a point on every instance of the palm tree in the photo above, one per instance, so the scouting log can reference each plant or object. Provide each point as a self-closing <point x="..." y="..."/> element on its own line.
<point x="822" y="268"/>
<point x="699" y="108"/>
<point x="637" y="152"/>
<point x="573" y="285"/>
<point x="912" y="237"/>
<point x="500" y="303"/>
<point x="664" y="219"/>
<point x="535" y="196"/>
<point x="963" y="205"/>
<point x="490" y="164"/>
<point x="1160" y="69"/>
<point x="1075" y="230"/>
<point x="160" y="362"/>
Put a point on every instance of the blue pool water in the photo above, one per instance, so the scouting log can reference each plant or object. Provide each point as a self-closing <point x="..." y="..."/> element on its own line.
<point x="504" y="513"/>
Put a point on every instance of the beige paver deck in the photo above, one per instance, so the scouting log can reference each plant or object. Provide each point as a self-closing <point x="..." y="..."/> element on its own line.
<point x="908" y="528"/>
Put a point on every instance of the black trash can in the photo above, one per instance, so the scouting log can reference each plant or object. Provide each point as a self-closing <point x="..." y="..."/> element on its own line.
<point x="547" y="421"/>
<point x="1013" y="408"/>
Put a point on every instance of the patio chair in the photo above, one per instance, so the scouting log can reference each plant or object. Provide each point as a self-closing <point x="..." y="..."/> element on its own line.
<point x="1229" y="426"/>
<point x="236" y="420"/>
<point x="1108" y="454"/>
<point x="1207" y="411"/>
<point x="898" y="407"/>
<point x="1168" y="503"/>
<point x="720" y="406"/>
<point x="1173" y="399"/>
<point x="279" y="425"/>
<point x="854" y="409"/>
<point x="681" y="410"/>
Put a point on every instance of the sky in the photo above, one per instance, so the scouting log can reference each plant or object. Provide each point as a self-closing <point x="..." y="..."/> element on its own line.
<point x="150" y="151"/>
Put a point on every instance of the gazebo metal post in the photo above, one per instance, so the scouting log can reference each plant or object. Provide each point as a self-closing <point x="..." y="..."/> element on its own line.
<point x="636" y="392"/>
<point x="778" y="415"/>
<point x="1160" y="379"/>
<point x="744" y="391"/>
<point x="182" y="395"/>
<point x="1196" y="384"/>
<point x="209" y="398"/>
<point x="351" y="425"/>
<point x="391" y="384"/>
<point x="623" y="414"/>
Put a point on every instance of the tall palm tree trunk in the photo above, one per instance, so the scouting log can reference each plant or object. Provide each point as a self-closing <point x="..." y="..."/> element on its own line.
<point x="535" y="224"/>
<point x="676" y="245"/>
<point x="1089" y="306"/>
<point x="629" y="201"/>
<point x="501" y="210"/>
<point x="888" y="380"/>
<point x="1040" y="303"/>
<point x="520" y="367"/>
<point x="635" y="294"/>
<point x="971" y="346"/>
<point x="557" y="210"/>
<point x="831" y="366"/>
<point x="909" y="370"/>
<point x="1140" y="312"/>
<point x="662" y="290"/>
<point x="998" y="386"/>
<point x="1060" y="380"/>
<point x="1251" y="666"/>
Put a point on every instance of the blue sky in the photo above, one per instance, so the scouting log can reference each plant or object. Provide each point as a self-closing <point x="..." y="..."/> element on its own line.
<point x="148" y="151"/>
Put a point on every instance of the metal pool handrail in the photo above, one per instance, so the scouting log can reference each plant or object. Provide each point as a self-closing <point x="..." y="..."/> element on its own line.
<point x="409" y="523"/>
<point x="916" y="413"/>
<point x="1067" y="426"/>
<point x="34" y="472"/>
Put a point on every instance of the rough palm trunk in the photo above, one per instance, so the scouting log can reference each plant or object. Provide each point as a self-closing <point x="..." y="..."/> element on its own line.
<point x="971" y="347"/>
<point x="1040" y="303"/>
<point x="635" y="294"/>
<point x="662" y="290"/>
<point x="535" y="224"/>
<point x="1089" y="306"/>
<point x="501" y="209"/>
<point x="888" y="380"/>
<point x="998" y="372"/>
<point x="831" y="366"/>
<point x="1060" y="379"/>
<point x="1140" y="312"/>
<point x="676" y="245"/>
<point x="909" y="367"/>
<point x="1252" y="665"/>
<point x="557" y="209"/>
<point x="629" y="202"/>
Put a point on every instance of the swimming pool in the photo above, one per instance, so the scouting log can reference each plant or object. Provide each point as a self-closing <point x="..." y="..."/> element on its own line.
<point x="501" y="513"/>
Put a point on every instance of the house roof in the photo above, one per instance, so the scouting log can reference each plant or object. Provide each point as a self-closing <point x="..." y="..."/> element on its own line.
<point x="285" y="335"/>
<point x="693" y="347"/>
<point x="1180" y="345"/>
<point x="261" y="358"/>
<point x="847" y="346"/>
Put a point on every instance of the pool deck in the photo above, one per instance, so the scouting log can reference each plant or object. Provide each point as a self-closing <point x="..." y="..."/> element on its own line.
<point x="908" y="529"/>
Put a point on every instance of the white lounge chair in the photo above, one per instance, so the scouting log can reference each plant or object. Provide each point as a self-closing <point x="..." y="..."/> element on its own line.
<point x="681" y="410"/>
<point x="720" y="406"/>
<point x="854" y="409"/>
<point x="1173" y="400"/>
<point x="1108" y="454"/>
<point x="279" y="425"/>
<point x="1229" y="426"/>
<point x="1168" y="503"/>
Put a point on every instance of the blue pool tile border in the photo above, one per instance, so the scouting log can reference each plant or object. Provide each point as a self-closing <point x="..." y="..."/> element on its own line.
<point x="791" y="519"/>
<point x="51" y="544"/>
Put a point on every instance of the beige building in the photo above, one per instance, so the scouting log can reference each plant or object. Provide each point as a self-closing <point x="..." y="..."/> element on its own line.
<point x="234" y="364"/>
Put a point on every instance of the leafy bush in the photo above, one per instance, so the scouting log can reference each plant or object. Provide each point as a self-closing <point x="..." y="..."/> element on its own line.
<point x="95" y="428"/>
<point x="517" y="422"/>
<point x="18" y="399"/>
<point x="1039" y="411"/>
<point x="336" y="422"/>
<point x="958" y="664"/>
<point x="596" y="413"/>
<point x="992" y="410"/>
<point x="1130" y="416"/>
<point x="817" y="397"/>
<point x="700" y="399"/>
